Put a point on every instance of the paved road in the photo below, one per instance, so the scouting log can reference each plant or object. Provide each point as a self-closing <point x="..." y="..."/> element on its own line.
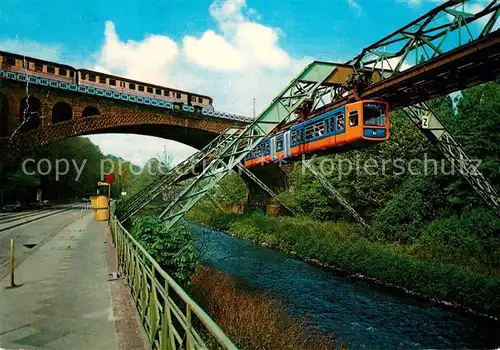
<point x="66" y="300"/>
<point x="28" y="237"/>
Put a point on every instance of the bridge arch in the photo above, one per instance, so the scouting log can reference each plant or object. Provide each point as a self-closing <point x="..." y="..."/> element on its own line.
<point x="30" y="112"/>
<point x="61" y="112"/>
<point x="4" y="116"/>
<point x="90" y="111"/>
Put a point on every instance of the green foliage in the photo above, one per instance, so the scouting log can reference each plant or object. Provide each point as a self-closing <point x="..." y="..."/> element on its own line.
<point x="431" y="232"/>
<point x="232" y="189"/>
<point x="79" y="150"/>
<point x="205" y="212"/>
<point x="173" y="249"/>
<point x="346" y="246"/>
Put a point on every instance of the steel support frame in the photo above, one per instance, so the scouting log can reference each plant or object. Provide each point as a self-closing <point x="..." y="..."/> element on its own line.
<point x="304" y="86"/>
<point x="308" y="165"/>
<point x="158" y="186"/>
<point x="428" y="123"/>
<point x="428" y="36"/>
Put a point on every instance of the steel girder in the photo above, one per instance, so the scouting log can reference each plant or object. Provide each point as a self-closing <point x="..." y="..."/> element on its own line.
<point x="307" y="164"/>
<point x="165" y="182"/>
<point x="441" y="30"/>
<point x="228" y="156"/>
<point x="435" y="33"/>
<point x="428" y="123"/>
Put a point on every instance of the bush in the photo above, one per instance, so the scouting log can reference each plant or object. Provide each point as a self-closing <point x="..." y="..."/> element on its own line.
<point x="253" y="320"/>
<point x="173" y="249"/>
<point x="345" y="246"/>
<point x="470" y="239"/>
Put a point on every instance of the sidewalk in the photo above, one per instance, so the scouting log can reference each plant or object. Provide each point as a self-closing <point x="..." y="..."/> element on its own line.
<point x="65" y="301"/>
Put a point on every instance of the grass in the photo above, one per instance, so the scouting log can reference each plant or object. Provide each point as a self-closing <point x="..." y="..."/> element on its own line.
<point x="343" y="245"/>
<point x="252" y="319"/>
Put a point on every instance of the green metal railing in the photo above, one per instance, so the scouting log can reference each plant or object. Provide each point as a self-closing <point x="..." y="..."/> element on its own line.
<point x="171" y="319"/>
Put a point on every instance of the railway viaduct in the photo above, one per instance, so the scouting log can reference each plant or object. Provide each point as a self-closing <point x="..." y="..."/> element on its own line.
<point x="57" y="115"/>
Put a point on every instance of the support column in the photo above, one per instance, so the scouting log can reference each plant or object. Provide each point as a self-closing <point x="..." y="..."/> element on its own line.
<point x="274" y="177"/>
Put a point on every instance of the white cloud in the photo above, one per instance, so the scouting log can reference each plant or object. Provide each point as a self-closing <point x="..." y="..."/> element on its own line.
<point x="354" y="4"/>
<point x="412" y="3"/>
<point x="139" y="149"/>
<point x="212" y="51"/>
<point x="236" y="61"/>
<point x="137" y="60"/>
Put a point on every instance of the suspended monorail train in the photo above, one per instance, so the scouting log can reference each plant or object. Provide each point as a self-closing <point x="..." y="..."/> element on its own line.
<point x="350" y="126"/>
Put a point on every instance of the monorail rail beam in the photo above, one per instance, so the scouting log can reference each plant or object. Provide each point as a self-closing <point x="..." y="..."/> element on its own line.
<point x="441" y="30"/>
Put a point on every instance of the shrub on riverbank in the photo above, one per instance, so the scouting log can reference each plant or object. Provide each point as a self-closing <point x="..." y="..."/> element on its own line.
<point x="344" y="246"/>
<point x="173" y="249"/>
<point x="253" y="320"/>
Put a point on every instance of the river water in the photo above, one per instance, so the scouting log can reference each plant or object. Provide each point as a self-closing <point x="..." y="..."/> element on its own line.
<point x="359" y="313"/>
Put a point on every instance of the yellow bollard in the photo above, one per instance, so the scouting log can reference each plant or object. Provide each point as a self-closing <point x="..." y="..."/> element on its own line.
<point x="12" y="283"/>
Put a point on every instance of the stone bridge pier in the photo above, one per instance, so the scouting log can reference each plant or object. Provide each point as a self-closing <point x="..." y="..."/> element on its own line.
<point x="275" y="177"/>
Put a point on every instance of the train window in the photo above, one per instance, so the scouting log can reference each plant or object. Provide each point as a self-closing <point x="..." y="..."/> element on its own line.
<point x="102" y="80"/>
<point x="374" y="114"/>
<point x="112" y="82"/>
<point x="71" y="74"/>
<point x="331" y="124"/>
<point x="309" y="132"/>
<point x="11" y="61"/>
<point x="319" y="128"/>
<point x="62" y="72"/>
<point x="178" y="95"/>
<point x="165" y="93"/>
<point x="91" y="77"/>
<point x="158" y="91"/>
<point x="51" y="70"/>
<point x="279" y="143"/>
<point x="200" y="100"/>
<point x="257" y="150"/>
<point x="150" y="90"/>
<point x="340" y="122"/>
<point x="132" y="86"/>
<point x="141" y="88"/>
<point x="38" y="67"/>
<point x="294" y="137"/>
<point x="266" y="148"/>
<point x="353" y="118"/>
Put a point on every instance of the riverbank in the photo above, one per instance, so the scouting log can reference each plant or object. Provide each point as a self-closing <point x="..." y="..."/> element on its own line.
<point x="252" y="319"/>
<point x="343" y="246"/>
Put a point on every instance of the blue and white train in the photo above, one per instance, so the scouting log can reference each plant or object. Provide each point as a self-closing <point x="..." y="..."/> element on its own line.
<point x="40" y="72"/>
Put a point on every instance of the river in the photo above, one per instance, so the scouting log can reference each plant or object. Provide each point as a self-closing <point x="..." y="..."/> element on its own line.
<point x="360" y="313"/>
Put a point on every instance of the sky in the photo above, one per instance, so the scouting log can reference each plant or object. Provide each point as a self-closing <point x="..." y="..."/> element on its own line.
<point x="234" y="50"/>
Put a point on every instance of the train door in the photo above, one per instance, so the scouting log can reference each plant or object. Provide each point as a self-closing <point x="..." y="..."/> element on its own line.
<point x="190" y="100"/>
<point x="287" y="144"/>
<point x="353" y="122"/>
<point x="338" y="124"/>
<point x="273" y="148"/>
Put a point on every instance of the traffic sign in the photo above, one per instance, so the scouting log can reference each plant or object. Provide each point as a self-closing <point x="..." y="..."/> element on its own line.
<point x="110" y="179"/>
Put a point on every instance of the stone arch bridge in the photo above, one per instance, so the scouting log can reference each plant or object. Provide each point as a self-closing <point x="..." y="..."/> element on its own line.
<point x="53" y="115"/>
